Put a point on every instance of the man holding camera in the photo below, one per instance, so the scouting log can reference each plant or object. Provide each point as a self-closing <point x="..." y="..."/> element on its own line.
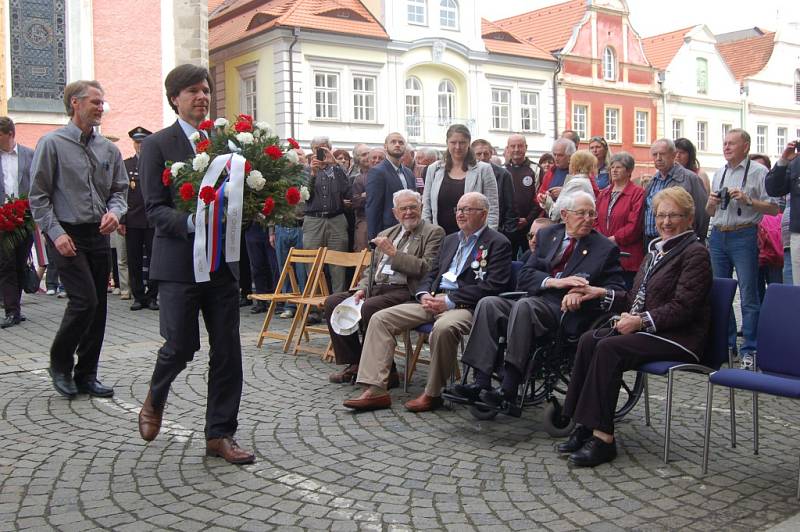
<point x="784" y="178"/>
<point x="736" y="206"/>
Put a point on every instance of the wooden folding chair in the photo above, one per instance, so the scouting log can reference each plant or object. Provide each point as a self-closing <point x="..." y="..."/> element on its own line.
<point x="312" y="259"/>
<point x="316" y="300"/>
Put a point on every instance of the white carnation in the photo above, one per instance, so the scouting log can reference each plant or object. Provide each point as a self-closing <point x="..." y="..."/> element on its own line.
<point x="304" y="193"/>
<point x="262" y="126"/>
<point x="176" y="167"/>
<point x="194" y="137"/>
<point x="200" y="162"/>
<point x="245" y="138"/>
<point x="291" y="156"/>
<point x="220" y="122"/>
<point x="256" y="181"/>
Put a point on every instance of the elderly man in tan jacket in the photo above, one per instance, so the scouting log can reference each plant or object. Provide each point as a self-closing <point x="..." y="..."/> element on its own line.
<point x="403" y="255"/>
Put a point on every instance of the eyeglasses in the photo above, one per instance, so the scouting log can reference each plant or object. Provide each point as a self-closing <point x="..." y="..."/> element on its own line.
<point x="467" y="210"/>
<point x="409" y="208"/>
<point x="584" y="214"/>
<point x="671" y="215"/>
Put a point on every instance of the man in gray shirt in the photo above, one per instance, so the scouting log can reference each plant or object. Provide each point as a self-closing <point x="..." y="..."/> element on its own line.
<point x="78" y="195"/>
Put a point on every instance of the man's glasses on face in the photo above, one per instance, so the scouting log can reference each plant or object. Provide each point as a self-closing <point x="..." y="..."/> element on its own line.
<point x="467" y="210"/>
<point x="584" y="214"/>
<point x="408" y="208"/>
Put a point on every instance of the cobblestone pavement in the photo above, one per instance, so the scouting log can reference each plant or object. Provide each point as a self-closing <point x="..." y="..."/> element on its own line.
<point x="80" y="465"/>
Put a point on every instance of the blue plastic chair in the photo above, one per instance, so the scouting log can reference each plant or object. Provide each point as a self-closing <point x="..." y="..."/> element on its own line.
<point x="776" y="368"/>
<point x="424" y="330"/>
<point x="715" y="354"/>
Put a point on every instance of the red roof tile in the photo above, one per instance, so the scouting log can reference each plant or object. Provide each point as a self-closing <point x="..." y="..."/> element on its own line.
<point x="747" y="57"/>
<point x="242" y="19"/>
<point x="502" y="41"/>
<point x="660" y="49"/>
<point x="550" y="27"/>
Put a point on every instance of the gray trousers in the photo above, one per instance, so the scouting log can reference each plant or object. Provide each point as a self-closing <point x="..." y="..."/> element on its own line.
<point x="521" y="322"/>
<point x="330" y="233"/>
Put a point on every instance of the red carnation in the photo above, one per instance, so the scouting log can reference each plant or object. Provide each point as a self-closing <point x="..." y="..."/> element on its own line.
<point x="208" y="194"/>
<point x="186" y="191"/>
<point x="244" y="118"/>
<point x="203" y="146"/>
<point x="243" y="126"/>
<point x="166" y="177"/>
<point x="274" y="152"/>
<point x="206" y="125"/>
<point x="247" y="167"/>
<point x="293" y="143"/>
<point x="269" y="204"/>
<point x="292" y="196"/>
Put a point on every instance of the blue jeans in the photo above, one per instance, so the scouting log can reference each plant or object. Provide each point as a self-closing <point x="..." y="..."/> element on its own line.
<point x="285" y="239"/>
<point x="787" y="266"/>
<point x="739" y="250"/>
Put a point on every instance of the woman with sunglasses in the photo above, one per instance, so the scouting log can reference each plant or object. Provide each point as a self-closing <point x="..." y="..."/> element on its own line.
<point x="599" y="148"/>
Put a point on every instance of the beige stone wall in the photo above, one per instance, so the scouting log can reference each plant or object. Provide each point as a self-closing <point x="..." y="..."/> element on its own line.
<point x="191" y="31"/>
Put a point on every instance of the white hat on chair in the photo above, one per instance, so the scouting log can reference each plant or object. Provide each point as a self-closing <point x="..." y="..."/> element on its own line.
<point x="346" y="316"/>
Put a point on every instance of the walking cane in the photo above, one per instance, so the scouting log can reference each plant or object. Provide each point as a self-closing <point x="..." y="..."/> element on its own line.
<point x="371" y="277"/>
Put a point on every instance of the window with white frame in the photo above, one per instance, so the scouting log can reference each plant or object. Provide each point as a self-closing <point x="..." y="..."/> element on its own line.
<point x="797" y="87"/>
<point x="609" y="64"/>
<point x="529" y="110"/>
<point x="501" y="108"/>
<point x="702" y="136"/>
<point x="580" y="120"/>
<point x="447" y="102"/>
<point x="761" y="139"/>
<point x="416" y="12"/>
<point x="247" y="89"/>
<point x="726" y="128"/>
<point x="326" y="95"/>
<point x="781" y="138"/>
<point x="413" y="107"/>
<point x="612" y="124"/>
<point x="677" y="128"/>
<point x="641" y="127"/>
<point x="702" y="75"/>
<point x="448" y="14"/>
<point x="364" y="98"/>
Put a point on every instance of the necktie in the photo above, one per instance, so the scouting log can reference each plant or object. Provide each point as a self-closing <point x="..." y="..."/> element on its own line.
<point x="562" y="262"/>
<point x="402" y="177"/>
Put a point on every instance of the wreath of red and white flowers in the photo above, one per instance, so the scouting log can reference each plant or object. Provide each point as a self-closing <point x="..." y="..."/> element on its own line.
<point x="16" y="223"/>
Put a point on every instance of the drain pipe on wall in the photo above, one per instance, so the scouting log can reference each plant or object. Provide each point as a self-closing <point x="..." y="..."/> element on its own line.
<point x="296" y="34"/>
<point x="555" y="94"/>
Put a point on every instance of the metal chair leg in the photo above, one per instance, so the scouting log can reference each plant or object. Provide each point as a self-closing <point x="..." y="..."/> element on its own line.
<point x="646" y="391"/>
<point x="668" y="418"/>
<point x="707" y="431"/>
<point x="733" y="416"/>
<point x="755" y="422"/>
<point x="798" y="484"/>
<point x="407" y="366"/>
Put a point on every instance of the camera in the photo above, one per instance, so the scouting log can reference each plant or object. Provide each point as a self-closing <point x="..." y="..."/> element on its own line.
<point x="724" y="198"/>
<point x="320" y="154"/>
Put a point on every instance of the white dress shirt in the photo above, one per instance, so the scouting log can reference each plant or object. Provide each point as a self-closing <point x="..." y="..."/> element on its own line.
<point x="10" y="162"/>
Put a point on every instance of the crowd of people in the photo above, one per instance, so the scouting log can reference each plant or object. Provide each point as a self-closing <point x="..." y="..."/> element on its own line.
<point x="445" y="229"/>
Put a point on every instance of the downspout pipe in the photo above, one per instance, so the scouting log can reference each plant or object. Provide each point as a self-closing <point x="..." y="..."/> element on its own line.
<point x="296" y="35"/>
<point x="555" y="95"/>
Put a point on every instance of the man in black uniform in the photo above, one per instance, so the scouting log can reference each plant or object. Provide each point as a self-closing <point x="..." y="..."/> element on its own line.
<point x="138" y="232"/>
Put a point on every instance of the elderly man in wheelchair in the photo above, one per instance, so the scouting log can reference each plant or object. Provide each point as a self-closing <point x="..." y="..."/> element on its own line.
<point x="568" y="255"/>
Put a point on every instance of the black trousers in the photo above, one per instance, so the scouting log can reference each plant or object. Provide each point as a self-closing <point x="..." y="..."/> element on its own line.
<point x="348" y="348"/>
<point x="139" y="244"/>
<point x="12" y="270"/>
<point x="218" y="301"/>
<point x="245" y="276"/>
<point x="85" y="278"/>
<point x="263" y="260"/>
<point x="597" y="374"/>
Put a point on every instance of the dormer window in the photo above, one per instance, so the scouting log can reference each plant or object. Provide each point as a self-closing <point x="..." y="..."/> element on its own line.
<point x="797" y="86"/>
<point x="416" y="12"/>
<point x="702" y="76"/>
<point x="609" y="64"/>
<point x="448" y="14"/>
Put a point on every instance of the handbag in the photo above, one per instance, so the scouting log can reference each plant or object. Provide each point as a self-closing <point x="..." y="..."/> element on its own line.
<point x="30" y="279"/>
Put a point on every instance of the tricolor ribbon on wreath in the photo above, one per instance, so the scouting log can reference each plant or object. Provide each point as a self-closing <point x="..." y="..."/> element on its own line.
<point x="209" y="226"/>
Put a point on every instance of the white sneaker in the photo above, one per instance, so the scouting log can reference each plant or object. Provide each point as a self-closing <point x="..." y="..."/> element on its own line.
<point x="50" y="292"/>
<point x="286" y="314"/>
<point x="747" y="362"/>
<point x="61" y="294"/>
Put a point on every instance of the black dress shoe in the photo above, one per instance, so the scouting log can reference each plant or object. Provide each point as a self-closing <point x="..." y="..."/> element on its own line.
<point x="502" y="401"/>
<point x="313" y="319"/>
<point x="580" y="435"/>
<point x="258" y="308"/>
<point x="63" y="383"/>
<point x="470" y="391"/>
<point x="137" y="305"/>
<point x="10" y="321"/>
<point x="244" y="302"/>
<point x="94" y="388"/>
<point x="594" y="453"/>
<point x="153" y="305"/>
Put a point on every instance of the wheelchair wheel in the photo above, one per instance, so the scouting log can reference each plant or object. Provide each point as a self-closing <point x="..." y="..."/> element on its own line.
<point x="482" y="412"/>
<point x="555" y="423"/>
<point x="629" y="393"/>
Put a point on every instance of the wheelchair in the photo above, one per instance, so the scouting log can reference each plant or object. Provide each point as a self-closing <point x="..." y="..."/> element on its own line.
<point x="547" y="376"/>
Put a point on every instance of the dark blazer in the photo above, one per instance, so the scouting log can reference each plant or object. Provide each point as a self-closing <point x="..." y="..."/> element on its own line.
<point x="135" y="217"/>
<point x="470" y="288"/>
<point x="595" y="258"/>
<point x="678" y="295"/>
<point x="382" y="183"/>
<point x="24" y="159"/>
<point x="505" y="197"/>
<point x="782" y="180"/>
<point x="172" y="258"/>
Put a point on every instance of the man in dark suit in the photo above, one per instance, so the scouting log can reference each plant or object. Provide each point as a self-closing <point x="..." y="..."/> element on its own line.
<point x="568" y="255"/>
<point x="138" y="232"/>
<point x="383" y="181"/>
<point x="505" y="187"/>
<point x="474" y="263"/>
<point x="188" y="89"/>
<point x="15" y="180"/>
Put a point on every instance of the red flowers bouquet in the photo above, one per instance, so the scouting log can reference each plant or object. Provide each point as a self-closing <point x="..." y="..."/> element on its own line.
<point x="16" y="223"/>
<point x="272" y="174"/>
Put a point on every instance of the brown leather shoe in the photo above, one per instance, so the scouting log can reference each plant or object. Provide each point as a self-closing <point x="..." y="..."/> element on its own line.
<point x="424" y="403"/>
<point x="393" y="381"/>
<point x="372" y="402"/>
<point x="149" y="420"/>
<point x="228" y="449"/>
<point x="346" y="376"/>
